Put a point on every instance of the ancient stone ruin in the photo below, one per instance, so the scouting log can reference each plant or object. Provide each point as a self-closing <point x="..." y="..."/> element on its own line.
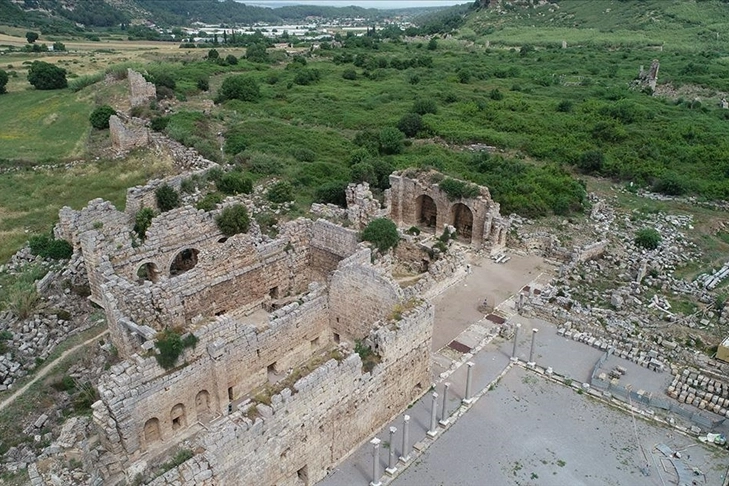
<point x="416" y="199"/>
<point x="648" y="79"/>
<point x="126" y="138"/>
<point x="141" y="92"/>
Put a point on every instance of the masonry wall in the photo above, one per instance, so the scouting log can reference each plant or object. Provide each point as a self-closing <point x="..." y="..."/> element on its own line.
<point x="228" y="355"/>
<point x="326" y="415"/>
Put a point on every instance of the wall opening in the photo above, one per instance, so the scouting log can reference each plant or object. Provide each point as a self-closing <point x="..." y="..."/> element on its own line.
<point x="337" y="339"/>
<point x="177" y="417"/>
<point x="303" y="474"/>
<point x="151" y="431"/>
<point x="426" y="212"/>
<point x="184" y="261"/>
<point x="223" y="239"/>
<point x="462" y="220"/>
<point x="273" y="292"/>
<point x="315" y="342"/>
<point x="202" y="406"/>
<point x="230" y="393"/>
<point x="147" y="272"/>
<point x="271" y="368"/>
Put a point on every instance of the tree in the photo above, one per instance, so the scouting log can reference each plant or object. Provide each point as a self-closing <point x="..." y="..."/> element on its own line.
<point x="99" y="118"/>
<point x="280" y="192"/>
<point x="382" y="233"/>
<point x="391" y="140"/>
<point x="213" y="54"/>
<point x="233" y="220"/>
<point x="3" y="81"/>
<point x="59" y="46"/>
<point x="410" y="124"/>
<point x="231" y="59"/>
<point x="239" y="87"/>
<point x="47" y="76"/>
<point x="648" y="238"/>
<point x="591" y="161"/>
<point x="167" y="198"/>
<point x="433" y="44"/>
<point x="257" y="53"/>
<point x="31" y="37"/>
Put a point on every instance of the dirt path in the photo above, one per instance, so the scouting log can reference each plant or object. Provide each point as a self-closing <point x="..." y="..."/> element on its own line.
<point x="47" y="369"/>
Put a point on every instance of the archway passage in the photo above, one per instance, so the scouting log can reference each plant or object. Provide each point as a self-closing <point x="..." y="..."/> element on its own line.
<point x="147" y="272"/>
<point x="177" y="417"/>
<point x="202" y="406"/>
<point x="151" y="431"/>
<point x="426" y="211"/>
<point x="184" y="261"/>
<point x="462" y="220"/>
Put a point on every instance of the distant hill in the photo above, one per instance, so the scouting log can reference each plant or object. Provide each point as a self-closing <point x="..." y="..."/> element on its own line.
<point x="60" y="15"/>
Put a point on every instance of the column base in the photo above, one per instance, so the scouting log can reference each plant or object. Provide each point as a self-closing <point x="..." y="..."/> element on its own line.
<point x="444" y="423"/>
<point x="531" y="364"/>
<point x="432" y="433"/>
<point x="391" y="470"/>
<point x="514" y="359"/>
<point x="404" y="459"/>
<point x="467" y="401"/>
<point x="378" y="483"/>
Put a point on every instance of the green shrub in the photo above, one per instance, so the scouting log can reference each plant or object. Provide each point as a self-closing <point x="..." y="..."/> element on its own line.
<point x="142" y="221"/>
<point x="231" y="60"/>
<point x="382" y="233"/>
<point x="303" y="154"/>
<point x="456" y="189"/>
<point x="3" y="81"/>
<point x="21" y="299"/>
<point x="280" y="192"/>
<point x="648" y="238"/>
<point x="159" y="123"/>
<point x="164" y="79"/>
<point x="167" y="198"/>
<point x="210" y="201"/>
<point x="332" y="193"/>
<point x="239" y="87"/>
<point x="391" y="140"/>
<point x="423" y="106"/>
<point x="99" y="118"/>
<point x="48" y="247"/>
<point x="413" y="230"/>
<point x="669" y="184"/>
<point x="565" y="106"/>
<point x="235" y="183"/>
<point x="363" y="172"/>
<point x="410" y="124"/>
<point x="82" y="82"/>
<point x="235" y="142"/>
<point x="203" y="84"/>
<point x="305" y="77"/>
<point x="496" y="95"/>
<point x="349" y="74"/>
<point x="170" y="345"/>
<point x="233" y="220"/>
<point x="591" y="162"/>
<point x="45" y="76"/>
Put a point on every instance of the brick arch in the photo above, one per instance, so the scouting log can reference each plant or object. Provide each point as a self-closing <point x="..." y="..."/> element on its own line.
<point x="147" y="271"/>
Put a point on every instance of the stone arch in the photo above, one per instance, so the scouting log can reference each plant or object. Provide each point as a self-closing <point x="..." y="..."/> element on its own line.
<point x="151" y="432"/>
<point x="426" y="211"/>
<point x="462" y="220"/>
<point x="202" y="406"/>
<point x="147" y="271"/>
<point x="184" y="260"/>
<point x="177" y="417"/>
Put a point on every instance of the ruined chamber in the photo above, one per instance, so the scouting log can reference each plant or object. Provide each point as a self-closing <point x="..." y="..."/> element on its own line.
<point x="269" y="389"/>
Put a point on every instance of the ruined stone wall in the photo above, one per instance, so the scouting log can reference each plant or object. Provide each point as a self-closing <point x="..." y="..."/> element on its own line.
<point x="309" y="429"/>
<point x="141" y="92"/>
<point x="139" y="197"/>
<point x="360" y="294"/>
<point x="127" y="137"/>
<point x="330" y="243"/>
<point x="362" y="207"/>
<point x="230" y="359"/>
<point x="416" y="201"/>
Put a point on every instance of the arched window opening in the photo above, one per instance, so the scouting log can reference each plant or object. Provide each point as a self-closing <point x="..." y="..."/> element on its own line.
<point x="151" y="431"/>
<point x="177" y="417"/>
<point x="426" y="211"/>
<point x="462" y="220"/>
<point x="184" y="261"/>
<point x="147" y="272"/>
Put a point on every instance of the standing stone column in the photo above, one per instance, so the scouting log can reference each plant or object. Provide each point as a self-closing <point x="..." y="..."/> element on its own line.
<point x="444" y="410"/>
<point x="391" y="468"/>
<point x="467" y="399"/>
<point x="405" y="452"/>
<point x="375" y="462"/>
<point x="531" y="352"/>
<point x="433" y="416"/>
<point x="516" y="338"/>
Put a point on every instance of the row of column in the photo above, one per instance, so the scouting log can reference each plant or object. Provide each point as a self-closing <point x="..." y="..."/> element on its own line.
<point x="432" y="432"/>
<point x="531" y="361"/>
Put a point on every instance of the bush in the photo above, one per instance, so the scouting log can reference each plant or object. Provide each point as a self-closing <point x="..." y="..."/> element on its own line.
<point x="648" y="238"/>
<point x="303" y="154"/>
<point x="170" y="345"/>
<point x="364" y="172"/>
<point x="591" y="162"/>
<point x="235" y="183"/>
<point x="305" y="77"/>
<point x="391" y="140"/>
<point x="203" y="84"/>
<point x="456" y="189"/>
<point x="164" y="79"/>
<point x="46" y="76"/>
<point x="233" y="220"/>
<point x="210" y="201"/>
<point x="423" y="106"/>
<point x="410" y="124"/>
<point x="235" y="142"/>
<point x="3" y="81"/>
<point x="332" y="193"/>
<point x="669" y="184"/>
<point x="167" y="198"/>
<point x="239" y="87"/>
<point x="31" y="37"/>
<point x="350" y="74"/>
<point x="382" y="233"/>
<point x="142" y="221"/>
<point x="496" y="95"/>
<point x="257" y="53"/>
<point x="280" y="192"/>
<point x="564" y="106"/>
<point x="48" y="247"/>
<point x="231" y="59"/>
<point x="213" y="54"/>
<point x="99" y="118"/>
<point x="159" y="123"/>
